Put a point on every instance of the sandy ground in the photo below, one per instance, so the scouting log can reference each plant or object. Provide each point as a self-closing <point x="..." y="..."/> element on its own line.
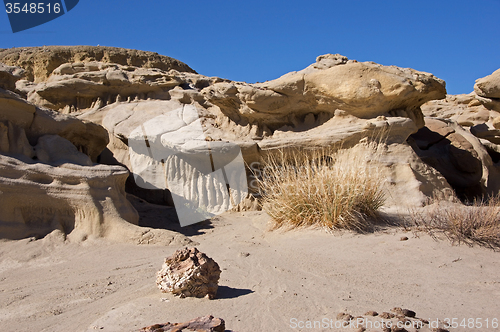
<point x="270" y="281"/>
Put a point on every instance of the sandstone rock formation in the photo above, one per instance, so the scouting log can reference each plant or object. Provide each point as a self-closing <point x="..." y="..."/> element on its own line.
<point x="48" y="179"/>
<point x="200" y="324"/>
<point x="335" y="102"/>
<point x="189" y="273"/>
<point x="39" y="62"/>
<point x="364" y="90"/>
<point x="9" y="75"/>
<point x="332" y="102"/>
<point x="489" y="86"/>
<point x="462" y="140"/>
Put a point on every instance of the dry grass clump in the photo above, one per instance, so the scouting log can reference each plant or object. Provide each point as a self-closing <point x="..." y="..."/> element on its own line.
<point x="339" y="190"/>
<point x="477" y="223"/>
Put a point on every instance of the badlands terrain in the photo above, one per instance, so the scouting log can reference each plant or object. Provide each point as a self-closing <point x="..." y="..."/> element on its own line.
<point x="87" y="212"/>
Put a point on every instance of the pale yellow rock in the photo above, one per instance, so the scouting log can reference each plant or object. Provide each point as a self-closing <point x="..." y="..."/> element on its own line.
<point x="9" y="75"/>
<point x="489" y="86"/>
<point x="55" y="150"/>
<point x="39" y="62"/>
<point x="365" y="90"/>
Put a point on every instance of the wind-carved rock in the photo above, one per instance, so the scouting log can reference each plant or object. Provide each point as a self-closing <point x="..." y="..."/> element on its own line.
<point x="462" y="138"/>
<point x="48" y="180"/>
<point x="189" y="273"/>
<point x="365" y="90"/>
<point x="489" y="86"/>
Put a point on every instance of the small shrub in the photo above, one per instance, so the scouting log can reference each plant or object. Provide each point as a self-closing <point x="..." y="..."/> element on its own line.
<point x="476" y="223"/>
<point x="339" y="190"/>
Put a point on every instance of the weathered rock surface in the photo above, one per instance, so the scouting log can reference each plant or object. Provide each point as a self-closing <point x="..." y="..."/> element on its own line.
<point x="200" y="324"/>
<point x="488" y="86"/>
<point x="467" y="110"/>
<point x="320" y="106"/>
<point x="88" y="137"/>
<point x="37" y="198"/>
<point x="48" y="180"/>
<point x="96" y="84"/>
<point x="9" y="75"/>
<point x="449" y="152"/>
<point x="475" y="118"/>
<point x="333" y="102"/>
<point x="364" y="90"/>
<point x="39" y="62"/>
<point x="189" y="273"/>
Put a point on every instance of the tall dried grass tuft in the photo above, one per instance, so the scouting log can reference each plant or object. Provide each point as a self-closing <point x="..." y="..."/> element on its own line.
<point x="336" y="190"/>
<point x="477" y="223"/>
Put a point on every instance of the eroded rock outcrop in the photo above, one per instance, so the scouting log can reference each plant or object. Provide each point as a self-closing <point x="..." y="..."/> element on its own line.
<point x="189" y="273"/>
<point x="489" y="86"/>
<point x="335" y="102"/>
<point x="9" y="75"/>
<point x="39" y="62"/>
<point x="461" y="139"/>
<point x="364" y="90"/>
<point x="48" y="180"/>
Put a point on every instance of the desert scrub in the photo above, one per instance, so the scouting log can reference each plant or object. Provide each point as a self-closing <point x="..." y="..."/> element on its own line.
<point x="478" y="222"/>
<point x="335" y="190"/>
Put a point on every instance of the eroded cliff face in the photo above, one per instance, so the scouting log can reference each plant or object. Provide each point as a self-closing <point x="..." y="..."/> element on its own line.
<point x="49" y="178"/>
<point x="461" y="138"/>
<point x="152" y="119"/>
<point x="39" y="62"/>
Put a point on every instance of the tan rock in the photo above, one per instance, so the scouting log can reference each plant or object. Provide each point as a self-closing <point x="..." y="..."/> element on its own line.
<point x="9" y="75"/>
<point x="15" y="109"/>
<point x="450" y="153"/>
<point x="292" y="112"/>
<point x="189" y="273"/>
<point x="82" y="84"/>
<point x="39" y="62"/>
<point x="201" y="324"/>
<point x="364" y="90"/>
<point x="55" y="150"/>
<point x="13" y="141"/>
<point x="80" y="201"/>
<point x="489" y="86"/>
<point x="458" y="155"/>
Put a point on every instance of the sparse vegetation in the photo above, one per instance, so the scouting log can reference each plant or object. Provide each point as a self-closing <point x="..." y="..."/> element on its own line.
<point x="336" y="190"/>
<point x="477" y="223"/>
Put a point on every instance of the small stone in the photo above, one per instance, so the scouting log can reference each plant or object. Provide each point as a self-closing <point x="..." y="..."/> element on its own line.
<point x="371" y="313"/>
<point x="201" y="324"/>
<point x="344" y="316"/>
<point x="404" y="312"/>
<point x="387" y="315"/>
<point x="404" y="238"/>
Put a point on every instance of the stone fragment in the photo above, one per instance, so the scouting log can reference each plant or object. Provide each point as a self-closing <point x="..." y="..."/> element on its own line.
<point x="489" y="86"/>
<point x="189" y="273"/>
<point x="200" y="324"/>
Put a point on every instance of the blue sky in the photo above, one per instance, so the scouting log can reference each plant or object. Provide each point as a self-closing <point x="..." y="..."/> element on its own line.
<point x="458" y="41"/>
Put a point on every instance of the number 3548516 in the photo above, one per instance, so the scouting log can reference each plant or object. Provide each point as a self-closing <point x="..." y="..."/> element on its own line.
<point x="32" y="8"/>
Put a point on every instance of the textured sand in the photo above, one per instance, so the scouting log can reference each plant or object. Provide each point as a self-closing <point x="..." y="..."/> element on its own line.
<point x="267" y="280"/>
